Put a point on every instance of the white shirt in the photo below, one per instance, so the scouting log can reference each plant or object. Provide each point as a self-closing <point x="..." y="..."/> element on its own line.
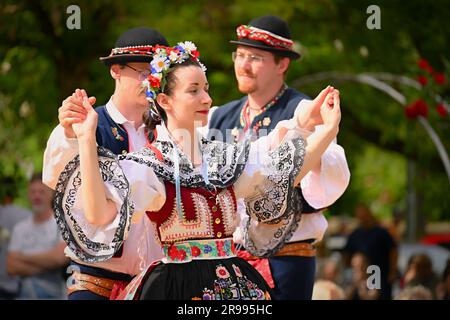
<point x="140" y="248"/>
<point x="29" y="237"/>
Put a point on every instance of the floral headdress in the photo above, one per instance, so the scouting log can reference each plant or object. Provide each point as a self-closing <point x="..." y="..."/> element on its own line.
<point x="163" y="59"/>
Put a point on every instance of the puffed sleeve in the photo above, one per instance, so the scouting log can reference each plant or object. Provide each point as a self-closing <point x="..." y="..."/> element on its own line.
<point x="321" y="188"/>
<point x="267" y="186"/>
<point x="133" y="188"/>
<point x="59" y="151"/>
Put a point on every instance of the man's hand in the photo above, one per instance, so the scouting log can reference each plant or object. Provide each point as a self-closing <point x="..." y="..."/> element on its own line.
<point x="72" y="111"/>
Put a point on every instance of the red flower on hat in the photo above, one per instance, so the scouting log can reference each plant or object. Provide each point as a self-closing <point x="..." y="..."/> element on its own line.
<point x="441" y="110"/>
<point x="422" y="80"/>
<point x="439" y="78"/>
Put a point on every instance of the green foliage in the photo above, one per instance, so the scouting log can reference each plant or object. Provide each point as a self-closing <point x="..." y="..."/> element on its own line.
<point x="42" y="62"/>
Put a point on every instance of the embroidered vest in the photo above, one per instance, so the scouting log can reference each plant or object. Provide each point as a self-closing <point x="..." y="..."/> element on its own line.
<point x="205" y="216"/>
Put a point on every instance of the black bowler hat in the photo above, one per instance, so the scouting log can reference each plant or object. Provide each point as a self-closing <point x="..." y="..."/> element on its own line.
<point x="268" y="33"/>
<point x="135" y="45"/>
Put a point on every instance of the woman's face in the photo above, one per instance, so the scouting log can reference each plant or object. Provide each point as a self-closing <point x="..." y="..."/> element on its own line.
<point x="189" y="101"/>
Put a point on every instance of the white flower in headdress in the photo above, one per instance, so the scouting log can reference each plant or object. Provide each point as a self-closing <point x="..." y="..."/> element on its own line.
<point x="203" y="67"/>
<point x="145" y="84"/>
<point x="189" y="46"/>
<point x="160" y="63"/>
<point x="174" y="56"/>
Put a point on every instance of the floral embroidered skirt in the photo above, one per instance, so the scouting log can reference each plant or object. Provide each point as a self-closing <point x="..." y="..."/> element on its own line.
<point x="215" y="279"/>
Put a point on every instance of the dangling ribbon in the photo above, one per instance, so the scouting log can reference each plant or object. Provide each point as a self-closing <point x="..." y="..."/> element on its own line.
<point x="176" y="163"/>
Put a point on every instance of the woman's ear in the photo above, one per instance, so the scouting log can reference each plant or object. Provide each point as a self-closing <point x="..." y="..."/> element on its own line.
<point x="115" y="71"/>
<point x="164" y="101"/>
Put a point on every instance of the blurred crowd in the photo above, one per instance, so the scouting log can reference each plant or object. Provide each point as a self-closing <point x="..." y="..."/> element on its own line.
<point x="354" y="263"/>
<point x="362" y="263"/>
<point x="32" y="260"/>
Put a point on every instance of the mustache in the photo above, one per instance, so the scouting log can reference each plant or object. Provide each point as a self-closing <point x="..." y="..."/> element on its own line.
<point x="246" y="74"/>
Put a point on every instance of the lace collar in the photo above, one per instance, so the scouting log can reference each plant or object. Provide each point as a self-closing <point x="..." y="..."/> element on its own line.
<point x="225" y="162"/>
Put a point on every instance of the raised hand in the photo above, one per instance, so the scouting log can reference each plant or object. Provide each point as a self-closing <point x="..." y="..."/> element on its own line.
<point x="72" y="111"/>
<point x="330" y="111"/>
<point x="85" y="129"/>
<point x="309" y="115"/>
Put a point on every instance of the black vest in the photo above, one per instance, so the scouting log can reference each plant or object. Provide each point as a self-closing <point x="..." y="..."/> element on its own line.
<point x="227" y="117"/>
<point x="110" y="134"/>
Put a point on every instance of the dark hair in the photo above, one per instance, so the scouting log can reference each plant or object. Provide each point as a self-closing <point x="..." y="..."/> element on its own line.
<point x="36" y="177"/>
<point x="153" y="117"/>
<point x="8" y="187"/>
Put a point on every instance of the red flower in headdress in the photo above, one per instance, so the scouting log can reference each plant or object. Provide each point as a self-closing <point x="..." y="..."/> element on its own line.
<point x="154" y="82"/>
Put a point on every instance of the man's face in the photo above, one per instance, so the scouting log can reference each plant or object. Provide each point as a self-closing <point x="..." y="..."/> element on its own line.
<point x="40" y="197"/>
<point x="130" y="81"/>
<point x="255" y="70"/>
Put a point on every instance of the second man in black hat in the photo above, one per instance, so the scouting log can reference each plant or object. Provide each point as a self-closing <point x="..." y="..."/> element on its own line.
<point x="261" y="60"/>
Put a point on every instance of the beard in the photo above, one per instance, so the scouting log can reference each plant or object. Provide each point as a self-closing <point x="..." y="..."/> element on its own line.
<point x="246" y="86"/>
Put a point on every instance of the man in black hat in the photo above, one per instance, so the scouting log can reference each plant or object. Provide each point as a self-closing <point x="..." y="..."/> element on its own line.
<point x="263" y="55"/>
<point x="120" y="129"/>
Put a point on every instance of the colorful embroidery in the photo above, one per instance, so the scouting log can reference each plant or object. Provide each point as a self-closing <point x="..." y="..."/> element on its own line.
<point x="226" y="289"/>
<point x="116" y="134"/>
<point x="186" y="251"/>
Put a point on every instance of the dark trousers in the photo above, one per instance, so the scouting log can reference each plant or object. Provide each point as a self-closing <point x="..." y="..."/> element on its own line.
<point x="294" y="277"/>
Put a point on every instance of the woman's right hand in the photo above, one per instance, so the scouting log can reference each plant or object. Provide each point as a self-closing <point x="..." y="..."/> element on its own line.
<point x="331" y="112"/>
<point x="85" y="129"/>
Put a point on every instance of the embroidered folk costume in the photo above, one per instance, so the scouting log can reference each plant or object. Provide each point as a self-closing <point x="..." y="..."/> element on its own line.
<point x="193" y="208"/>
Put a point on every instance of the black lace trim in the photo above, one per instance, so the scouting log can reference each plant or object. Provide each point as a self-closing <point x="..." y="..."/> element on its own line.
<point x="226" y="162"/>
<point x="71" y="232"/>
<point x="287" y="161"/>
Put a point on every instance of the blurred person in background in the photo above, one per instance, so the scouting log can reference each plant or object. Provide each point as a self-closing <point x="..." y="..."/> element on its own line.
<point x="377" y="245"/>
<point x="443" y="288"/>
<point x="359" y="290"/>
<point x="36" y="249"/>
<point x="10" y="215"/>
<point x="420" y="272"/>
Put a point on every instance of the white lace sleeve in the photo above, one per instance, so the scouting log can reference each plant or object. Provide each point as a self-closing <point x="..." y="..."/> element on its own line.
<point x="92" y="243"/>
<point x="267" y="186"/>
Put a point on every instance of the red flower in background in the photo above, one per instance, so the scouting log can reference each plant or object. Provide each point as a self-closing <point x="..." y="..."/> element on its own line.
<point x="425" y="65"/>
<point x="417" y="108"/>
<point x="439" y="78"/>
<point x="441" y="110"/>
<point x="422" y="80"/>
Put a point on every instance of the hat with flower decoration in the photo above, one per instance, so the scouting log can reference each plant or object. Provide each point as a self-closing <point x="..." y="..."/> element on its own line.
<point x="135" y="45"/>
<point x="268" y="33"/>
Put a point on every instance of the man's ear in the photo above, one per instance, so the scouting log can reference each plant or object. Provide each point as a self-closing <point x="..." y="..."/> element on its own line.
<point x="115" y="71"/>
<point x="283" y="65"/>
<point x="164" y="101"/>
